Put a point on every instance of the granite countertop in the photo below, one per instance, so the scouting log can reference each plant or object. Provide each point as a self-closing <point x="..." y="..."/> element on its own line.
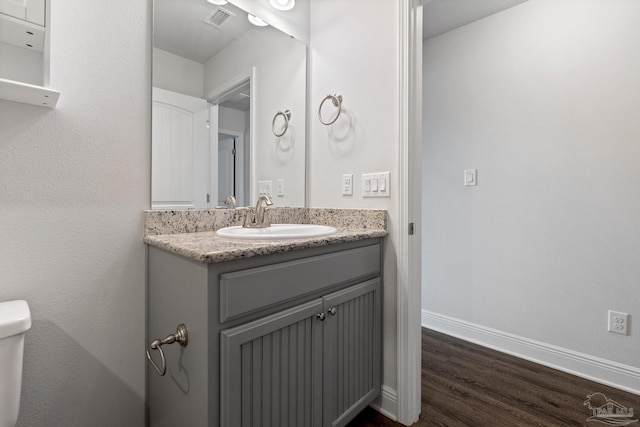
<point x="192" y="233"/>
<point x="207" y="247"/>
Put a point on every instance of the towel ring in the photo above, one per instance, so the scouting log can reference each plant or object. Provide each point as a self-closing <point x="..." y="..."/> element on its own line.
<point x="181" y="337"/>
<point x="286" y="116"/>
<point x="336" y="100"/>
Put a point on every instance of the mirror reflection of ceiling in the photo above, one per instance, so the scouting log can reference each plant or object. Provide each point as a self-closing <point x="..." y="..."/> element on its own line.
<point x="240" y="99"/>
<point x="179" y="27"/>
<point x="440" y="16"/>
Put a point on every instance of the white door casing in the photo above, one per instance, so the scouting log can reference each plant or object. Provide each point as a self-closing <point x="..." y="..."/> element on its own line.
<point x="226" y="167"/>
<point x="409" y="248"/>
<point x="245" y="167"/>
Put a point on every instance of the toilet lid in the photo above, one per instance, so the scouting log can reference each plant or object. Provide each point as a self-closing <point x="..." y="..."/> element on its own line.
<point x="15" y="318"/>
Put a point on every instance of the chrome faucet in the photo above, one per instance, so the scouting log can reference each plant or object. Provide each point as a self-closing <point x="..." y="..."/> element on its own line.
<point x="261" y="212"/>
<point x="231" y="201"/>
<point x="258" y="218"/>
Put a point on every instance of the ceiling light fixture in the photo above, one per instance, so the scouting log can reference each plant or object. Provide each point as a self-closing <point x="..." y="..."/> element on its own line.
<point x="283" y="4"/>
<point x="256" y="21"/>
<point x="218" y="2"/>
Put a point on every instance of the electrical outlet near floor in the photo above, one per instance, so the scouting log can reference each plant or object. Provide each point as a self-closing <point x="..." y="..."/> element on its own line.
<point x="618" y="322"/>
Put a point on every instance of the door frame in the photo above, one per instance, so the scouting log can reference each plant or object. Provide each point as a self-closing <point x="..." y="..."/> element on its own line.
<point x="221" y="94"/>
<point x="240" y="171"/>
<point x="409" y="282"/>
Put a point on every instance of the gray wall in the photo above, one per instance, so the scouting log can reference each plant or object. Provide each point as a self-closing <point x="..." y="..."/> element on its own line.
<point x="543" y="100"/>
<point x="73" y="184"/>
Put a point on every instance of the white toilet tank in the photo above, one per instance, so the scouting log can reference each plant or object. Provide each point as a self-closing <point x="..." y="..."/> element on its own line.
<point x="15" y="319"/>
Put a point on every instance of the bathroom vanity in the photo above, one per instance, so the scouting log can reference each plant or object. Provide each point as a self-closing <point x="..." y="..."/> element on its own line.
<point x="280" y="333"/>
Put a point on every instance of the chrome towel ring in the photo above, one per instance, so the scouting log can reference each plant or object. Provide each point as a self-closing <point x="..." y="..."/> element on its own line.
<point x="286" y="116"/>
<point x="336" y="100"/>
<point x="181" y="337"/>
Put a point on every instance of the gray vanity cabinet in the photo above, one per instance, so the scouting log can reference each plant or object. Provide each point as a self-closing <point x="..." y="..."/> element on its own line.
<point x="276" y="340"/>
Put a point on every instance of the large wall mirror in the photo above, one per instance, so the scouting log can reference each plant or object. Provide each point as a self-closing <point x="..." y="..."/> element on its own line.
<point x="229" y="108"/>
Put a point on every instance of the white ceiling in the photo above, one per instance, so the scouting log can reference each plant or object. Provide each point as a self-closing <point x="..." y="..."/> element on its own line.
<point x="440" y="16"/>
<point x="178" y="26"/>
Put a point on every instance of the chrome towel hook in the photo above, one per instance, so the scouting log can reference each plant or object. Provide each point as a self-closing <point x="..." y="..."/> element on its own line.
<point x="336" y="100"/>
<point x="181" y="337"/>
<point x="286" y="116"/>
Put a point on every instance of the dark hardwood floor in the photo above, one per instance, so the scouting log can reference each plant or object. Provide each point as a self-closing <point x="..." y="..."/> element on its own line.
<point x="464" y="384"/>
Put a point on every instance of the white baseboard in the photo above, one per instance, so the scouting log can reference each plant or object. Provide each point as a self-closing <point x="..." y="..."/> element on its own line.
<point x="602" y="371"/>
<point x="387" y="403"/>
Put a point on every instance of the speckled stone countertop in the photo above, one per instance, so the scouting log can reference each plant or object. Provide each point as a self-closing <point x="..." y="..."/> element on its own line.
<point x="191" y="233"/>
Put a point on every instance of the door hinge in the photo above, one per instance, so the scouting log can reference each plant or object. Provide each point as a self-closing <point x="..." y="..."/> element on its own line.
<point x="208" y="124"/>
<point x="208" y="198"/>
<point x="410" y="229"/>
<point x="233" y="151"/>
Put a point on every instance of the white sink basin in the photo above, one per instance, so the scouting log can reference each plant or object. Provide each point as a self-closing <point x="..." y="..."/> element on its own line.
<point x="277" y="232"/>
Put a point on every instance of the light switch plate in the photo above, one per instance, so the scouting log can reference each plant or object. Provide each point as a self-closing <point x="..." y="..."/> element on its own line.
<point x="265" y="188"/>
<point x="470" y="177"/>
<point x="375" y="184"/>
<point x="280" y="187"/>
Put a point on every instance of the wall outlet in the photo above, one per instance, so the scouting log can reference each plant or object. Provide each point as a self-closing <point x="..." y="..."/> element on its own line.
<point x="618" y="322"/>
<point x="347" y="184"/>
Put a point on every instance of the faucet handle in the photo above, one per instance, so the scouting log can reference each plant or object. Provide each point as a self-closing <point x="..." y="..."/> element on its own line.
<point x="249" y="217"/>
<point x="265" y="217"/>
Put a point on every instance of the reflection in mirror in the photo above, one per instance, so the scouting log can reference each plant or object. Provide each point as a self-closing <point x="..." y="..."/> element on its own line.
<point x="218" y="83"/>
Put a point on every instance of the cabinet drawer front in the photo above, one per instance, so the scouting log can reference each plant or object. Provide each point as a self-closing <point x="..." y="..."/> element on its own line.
<point x="248" y="290"/>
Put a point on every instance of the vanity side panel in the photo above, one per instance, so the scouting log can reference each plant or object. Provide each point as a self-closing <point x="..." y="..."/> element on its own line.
<point x="178" y="294"/>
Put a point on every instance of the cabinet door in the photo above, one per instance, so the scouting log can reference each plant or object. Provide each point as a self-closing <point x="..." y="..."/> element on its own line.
<point x="15" y="8"/>
<point x="269" y="369"/>
<point x="351" y="351"/>
<point x="32" y="10"/>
